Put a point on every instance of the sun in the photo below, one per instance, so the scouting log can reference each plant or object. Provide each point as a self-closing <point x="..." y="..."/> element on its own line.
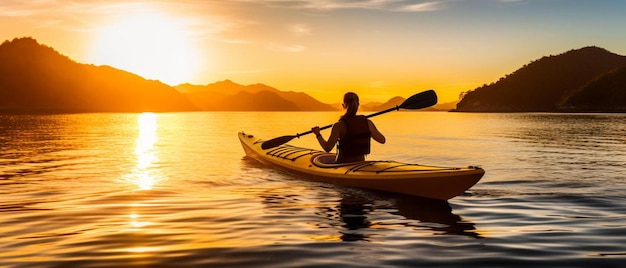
<point x="150" y="45"/>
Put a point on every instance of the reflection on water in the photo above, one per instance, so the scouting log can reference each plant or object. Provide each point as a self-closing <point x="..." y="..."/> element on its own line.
<point x="364" y="215"/>
<point x="143" y="174"/>
<point x="360" y="213"/>
<point x="437" y="212"/>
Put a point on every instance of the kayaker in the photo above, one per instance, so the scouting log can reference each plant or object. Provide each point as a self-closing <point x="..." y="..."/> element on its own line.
<point x="352" y="133"/>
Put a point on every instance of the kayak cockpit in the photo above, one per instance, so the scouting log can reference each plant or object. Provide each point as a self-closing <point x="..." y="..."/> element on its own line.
<point x="327" y="160"/>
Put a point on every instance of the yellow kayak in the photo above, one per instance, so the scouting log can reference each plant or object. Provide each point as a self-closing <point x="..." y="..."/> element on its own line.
<point x="433" y="182"/>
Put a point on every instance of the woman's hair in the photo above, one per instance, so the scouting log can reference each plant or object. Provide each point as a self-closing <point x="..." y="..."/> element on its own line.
<point x="350" y="103"/>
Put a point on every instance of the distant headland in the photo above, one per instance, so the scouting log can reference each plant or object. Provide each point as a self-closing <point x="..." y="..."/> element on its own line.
<point x="590" y="79"/>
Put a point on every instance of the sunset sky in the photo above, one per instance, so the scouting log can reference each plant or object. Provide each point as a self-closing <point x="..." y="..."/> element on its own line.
<point x="378" y="48"/>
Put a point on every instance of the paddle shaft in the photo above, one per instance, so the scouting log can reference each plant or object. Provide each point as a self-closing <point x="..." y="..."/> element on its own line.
<point x="368" y="116"/>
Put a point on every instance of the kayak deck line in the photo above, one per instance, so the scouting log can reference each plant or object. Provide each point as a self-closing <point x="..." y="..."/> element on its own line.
<point x="358" y="166"/>
<point x="433" y="182"/>
<point x="286" y="150"/>
<point x="388" y="169"/>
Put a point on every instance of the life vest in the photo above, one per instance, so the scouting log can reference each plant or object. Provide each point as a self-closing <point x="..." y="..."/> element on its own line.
<point x="356" y="140"/>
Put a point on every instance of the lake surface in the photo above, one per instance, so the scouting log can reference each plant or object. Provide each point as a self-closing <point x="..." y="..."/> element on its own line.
<point x="174" y="189"/>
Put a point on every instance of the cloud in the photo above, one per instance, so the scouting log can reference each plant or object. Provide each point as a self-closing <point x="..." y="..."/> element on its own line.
<point x="347" y="4"/>
<point x="388" y="5"/>
<point x="299" y="29"/>
<point x="287" y="48"/>
<point x="421" y="7"/>
<point x="60" y="7"/>
<point x="234" y="41"/>
<point x="64" y="7"/>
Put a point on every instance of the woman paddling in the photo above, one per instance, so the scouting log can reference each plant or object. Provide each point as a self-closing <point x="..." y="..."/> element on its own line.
<point x="352" y="133"/>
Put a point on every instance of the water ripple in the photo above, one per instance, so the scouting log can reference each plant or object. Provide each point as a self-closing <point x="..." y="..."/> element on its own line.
<point x="106" y="190"/>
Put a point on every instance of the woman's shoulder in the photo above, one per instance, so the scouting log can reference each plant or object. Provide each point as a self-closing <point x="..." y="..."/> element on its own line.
<point x="339" y="123"/>
<point x="340" y="126"/>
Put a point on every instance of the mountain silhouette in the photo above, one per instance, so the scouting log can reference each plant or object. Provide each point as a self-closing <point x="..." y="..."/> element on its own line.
<point x="377" y="106"/>
<point x="446" y="106"/>
<point x="35" y="78"/>
<point x="229" y="96"/>
<point x="395" y="101"/>
<point x="545" y="85"/>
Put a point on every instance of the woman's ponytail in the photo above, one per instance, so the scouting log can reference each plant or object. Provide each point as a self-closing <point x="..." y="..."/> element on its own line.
<point x="351" y="104"/>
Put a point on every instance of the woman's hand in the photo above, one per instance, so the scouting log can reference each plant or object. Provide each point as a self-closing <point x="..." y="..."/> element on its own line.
<point x="316" y="130"/>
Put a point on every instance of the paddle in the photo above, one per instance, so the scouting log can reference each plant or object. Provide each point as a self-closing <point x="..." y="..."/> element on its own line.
<point x="418" y="101"/>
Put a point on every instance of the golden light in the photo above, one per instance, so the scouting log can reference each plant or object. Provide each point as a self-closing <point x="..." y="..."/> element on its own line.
<point x="145" y="150"/>
<point x="149" y="44"/>
<point x="143" y="174"/>
<point x="142" y="249"/>
<point x="146" y="140"/>
<point x="135" y="223"/>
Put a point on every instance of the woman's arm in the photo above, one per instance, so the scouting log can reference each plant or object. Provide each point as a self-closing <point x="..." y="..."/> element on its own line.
<point x="376" y="135"/>
<point x="332" y="139"/>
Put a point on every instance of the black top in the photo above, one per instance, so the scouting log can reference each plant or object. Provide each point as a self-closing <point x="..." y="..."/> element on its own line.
<point x="357" y="139"/>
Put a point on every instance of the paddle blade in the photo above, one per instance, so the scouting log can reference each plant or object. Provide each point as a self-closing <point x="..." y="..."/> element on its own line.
<point x="276" y="142"/>
<point x="420" y="100"/>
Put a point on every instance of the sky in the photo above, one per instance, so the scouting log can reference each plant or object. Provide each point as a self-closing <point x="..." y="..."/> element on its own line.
<point x="377" y="48"/>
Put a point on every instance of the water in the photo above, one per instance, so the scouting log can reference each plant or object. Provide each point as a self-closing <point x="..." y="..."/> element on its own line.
<point x="162" y="190"/>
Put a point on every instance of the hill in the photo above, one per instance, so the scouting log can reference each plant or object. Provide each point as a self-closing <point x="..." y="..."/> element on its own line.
<point x="229" y="96"/>
<point x="35" y="78"/>
<point x="545" y="84"/>
<point x="605" y="94"/>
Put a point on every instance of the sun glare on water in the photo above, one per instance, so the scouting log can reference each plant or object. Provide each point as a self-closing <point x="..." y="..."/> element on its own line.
<point x="143" y="175"/>
<point x="150" y="45"/>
